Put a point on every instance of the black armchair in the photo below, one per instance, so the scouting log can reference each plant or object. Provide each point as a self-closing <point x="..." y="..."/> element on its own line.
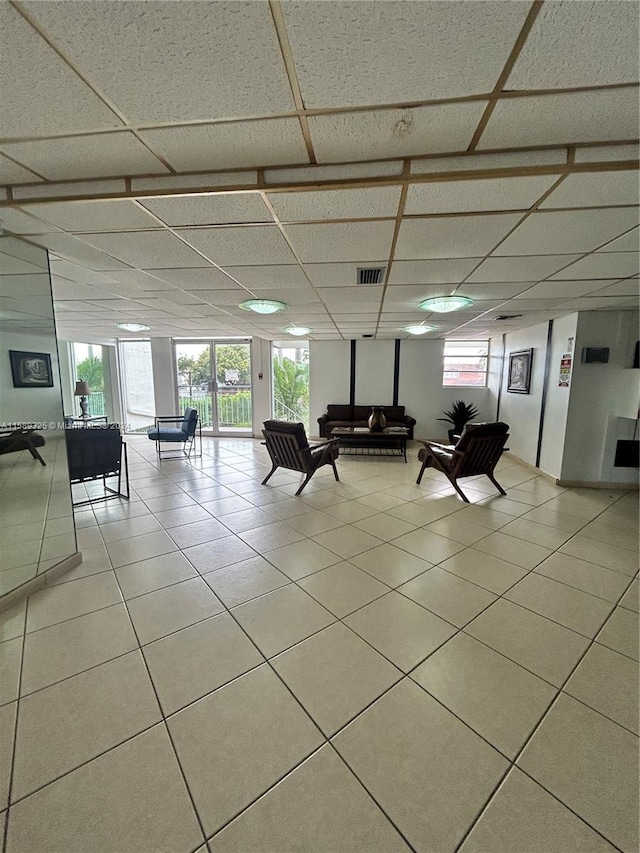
<point x="98" y="453"/>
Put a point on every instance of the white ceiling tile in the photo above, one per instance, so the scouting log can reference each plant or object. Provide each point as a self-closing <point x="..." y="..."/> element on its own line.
<point x="203" y="181"/>
<point x="452" y="237"/>
<point x="207" y="278"/>
<point x="365" y="203"/>
<point x="560" y="289"/>
<point x="69" y="190"/>
<point x="602" y="265"/>
<point x="188" y="61"/>
<point x="144" y="249"/>
<point x="498" y="290"/>
<point x="595" y="189"/>
<point x="570" y="231"/>
<point x="531" y="268"/>
<point x="309" y="174"/>
<point x="600" y="153"/>
<point x="215" y="209"/>
<point x="44" y="96"/>
<point x="427" y="272"/>
<point x="245" y="245"/>
<point x="579" y="44"/>
<point x="18" y="222"/>
<point x="12" y="173"/>
<point x="364" y="299"/>
<point x="405" y="294"/>
<point x="600" y="115"/>
<point x="98" y="156"/>
<point x="481" y="160"/>
<point x="601" y="303"/>
<point x="276" y="276"/>
<point x="473" y="196"/>
<point x="420" y="50"/>
<point x="335" y="275"/>
<point x="72" y="249"/>
<point x="629" y="242"/>
<point x="73" y="272"/>
<point x="627" y="287"/>
<point x="394" y="132"/>
<point x="139" y="279"/>
<point x="94" y="215"/>
<point x="367" y="242"/>
<point x="268" y="142"/>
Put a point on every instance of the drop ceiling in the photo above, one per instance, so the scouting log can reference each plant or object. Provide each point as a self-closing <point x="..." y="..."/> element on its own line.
<point x="178" y="158"/>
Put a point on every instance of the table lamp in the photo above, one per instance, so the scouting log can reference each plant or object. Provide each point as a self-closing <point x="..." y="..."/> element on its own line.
<point x="82" y="391"/>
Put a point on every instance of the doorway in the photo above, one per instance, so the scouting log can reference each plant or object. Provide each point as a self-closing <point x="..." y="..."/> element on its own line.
<point x="214" y="377"/>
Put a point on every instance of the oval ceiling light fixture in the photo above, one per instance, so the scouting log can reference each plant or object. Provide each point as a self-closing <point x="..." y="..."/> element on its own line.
<point x="263" y="306"/>
<point x="443" y="304"/>
<point x="133" y="327"/>
<point x="418" y="330"/>
<point x="298" y="331"/>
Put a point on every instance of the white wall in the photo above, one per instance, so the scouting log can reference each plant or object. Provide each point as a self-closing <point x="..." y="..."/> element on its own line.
<point x="374" y="373"/>
<point x="600" y="395"/>
<point x="522" y="411"/>
<point x="329" y="373"/>
<point x="164" y="376"/>
<point x="558" y="397"/>
<point x="261" y="390"/>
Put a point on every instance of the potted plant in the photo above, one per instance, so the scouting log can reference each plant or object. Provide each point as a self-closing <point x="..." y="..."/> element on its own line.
<point x="459" y="415"/>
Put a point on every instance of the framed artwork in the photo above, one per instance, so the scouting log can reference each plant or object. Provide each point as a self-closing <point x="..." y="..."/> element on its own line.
<point x="520" y="371"/>
<point x="31" y="369"/>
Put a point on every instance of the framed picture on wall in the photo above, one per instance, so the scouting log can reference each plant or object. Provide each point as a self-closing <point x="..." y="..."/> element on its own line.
<point x="31" y="369"/>
<point x="520" y="371"/>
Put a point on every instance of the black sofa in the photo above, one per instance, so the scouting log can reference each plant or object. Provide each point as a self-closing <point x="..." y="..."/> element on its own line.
<point x="344" y="415"/>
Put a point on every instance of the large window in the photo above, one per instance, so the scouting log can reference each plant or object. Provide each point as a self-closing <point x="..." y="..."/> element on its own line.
<point x="465" y="364"/>
<point x="291" y="381"/>
<point x="87" y="366"/>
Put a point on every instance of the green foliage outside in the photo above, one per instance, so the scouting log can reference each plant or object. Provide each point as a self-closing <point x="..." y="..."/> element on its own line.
<point x="90" y="370"/>
<point x="234" y="410"/>
<point x="197" y="371"/>
<point x="291" y="385"/>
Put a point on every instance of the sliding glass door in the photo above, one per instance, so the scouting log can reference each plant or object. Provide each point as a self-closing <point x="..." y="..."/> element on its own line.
<point x="215" y="378"/>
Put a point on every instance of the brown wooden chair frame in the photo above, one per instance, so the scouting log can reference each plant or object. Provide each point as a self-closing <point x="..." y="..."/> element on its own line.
<point x="286" y="450"/>
<point x="479" y="456"/>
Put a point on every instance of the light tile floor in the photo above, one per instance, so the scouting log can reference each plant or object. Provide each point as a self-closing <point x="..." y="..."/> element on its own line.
<point x="371" y="666"/>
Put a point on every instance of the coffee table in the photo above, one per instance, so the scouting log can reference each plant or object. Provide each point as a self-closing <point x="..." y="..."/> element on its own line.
<point x="390" y="442"/>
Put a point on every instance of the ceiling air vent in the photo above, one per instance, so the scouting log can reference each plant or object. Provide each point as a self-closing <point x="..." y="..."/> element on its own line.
<point x="370" y="275"/>
<point x="508" y="317"/>
<point x="367" y="336"/>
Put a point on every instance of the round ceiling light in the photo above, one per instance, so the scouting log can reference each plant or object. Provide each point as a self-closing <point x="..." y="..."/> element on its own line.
<point x="263" y="306"/>
<point x="133" y="327"/>
<point x="298" y="331"/>
<point x="418" y="330"/>
<point x="442" y="304"/>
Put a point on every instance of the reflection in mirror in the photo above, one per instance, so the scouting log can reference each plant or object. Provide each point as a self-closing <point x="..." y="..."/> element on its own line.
<point x="36" y="517"/>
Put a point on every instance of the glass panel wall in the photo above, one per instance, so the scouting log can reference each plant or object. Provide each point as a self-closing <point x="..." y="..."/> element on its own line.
<point x="194" y="380"/>
<point x="87" y="365"/>
<point x="136" y="376"/>
<point x="290" y="360"/>
<point x="233" y="386"/>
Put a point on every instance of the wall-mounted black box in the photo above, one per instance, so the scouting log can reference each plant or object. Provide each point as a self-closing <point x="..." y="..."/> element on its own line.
<point x="595" y="355"/>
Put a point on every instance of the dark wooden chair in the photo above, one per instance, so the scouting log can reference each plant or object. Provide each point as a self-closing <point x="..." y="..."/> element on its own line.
<point x="477" y="452"/>
<point x="22" y="438"/>
<point x="288" y="447"/>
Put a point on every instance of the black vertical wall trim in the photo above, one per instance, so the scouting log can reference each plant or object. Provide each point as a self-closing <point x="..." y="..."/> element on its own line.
<point x="502" y="357"/>
<point x="352" y="381"/>
<point x="545" y="383"/>
<point x="396" y="372"/>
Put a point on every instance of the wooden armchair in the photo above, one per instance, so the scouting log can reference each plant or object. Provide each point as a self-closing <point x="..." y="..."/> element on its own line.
<point x="289" y="448"/>
<point x="477" y="452"/>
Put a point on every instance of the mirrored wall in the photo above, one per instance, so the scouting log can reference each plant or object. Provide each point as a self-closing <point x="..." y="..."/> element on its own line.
<point x="36" y="517"/>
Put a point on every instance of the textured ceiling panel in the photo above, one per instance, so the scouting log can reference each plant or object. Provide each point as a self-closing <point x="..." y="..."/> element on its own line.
<point x="41" y="95"/>
<point x="628" y="287"/>
<point x="520" y="269"/>
<point x="629" y="242"/>
<point x="452" y="237"/>
<point x="598" y="188"/>
<point x="188" y="60"/>
<point x="272" y="142"/>
<point x="563" y="289"/>
<point x="394" y="133"/>
<point x="491" y="194"/>
<point x="334" y="275"/>
<point x="336" y="204"/>
<point x="208" y="278"/>
<point x="20" y="223"/>
<point x="603" y="265"/>
<point x="427" y="272"/>
<point x="570" y="231"/>
<point x="479" y="160"/>
<point x="419" y="50"/>
<point x="560" y="119"/>
<point x="602" y="153"/>
<point x="94" y="215"/>
<point x="579" y="44"/>
<point x="12" y="173"/>
<point x="499" y="290"/>
<point x="345" y="241"/>
<point x="210" y="209"/>
<point x="204" y="180"/>
<point x="276" y="276"/>
<point x="104" y="155"/>
<point x="146" y="249"/>
<point x="72" y="249"/>
<point x="74" y="272"/>
<point x="352" y="171"/>
<point x="260" y="244"/>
